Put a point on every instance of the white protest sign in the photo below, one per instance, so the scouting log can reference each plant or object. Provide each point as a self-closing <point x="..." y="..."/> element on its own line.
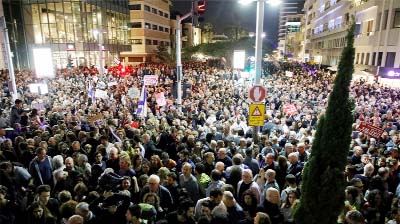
<point x="101" y="94"/>
<point x="289" y="74"/>
<point x="150" y="80"/>
<point x="112" y="83"/>
<point x="134" y="92"/>
<point x="160" y="99"/>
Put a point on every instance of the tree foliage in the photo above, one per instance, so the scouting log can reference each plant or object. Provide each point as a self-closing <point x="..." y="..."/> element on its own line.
<point x="322" y="191"/>
<point x="162" y="54"/>
<point x="225" y="49"/>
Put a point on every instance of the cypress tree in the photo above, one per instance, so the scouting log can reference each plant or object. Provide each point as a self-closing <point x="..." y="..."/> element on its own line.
<point x="323" y="185"/>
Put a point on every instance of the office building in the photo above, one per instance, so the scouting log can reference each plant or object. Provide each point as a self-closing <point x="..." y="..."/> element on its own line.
<point x="287" y="8"/>
<point x="149" y="27"/>
<point x="75" y="31"/>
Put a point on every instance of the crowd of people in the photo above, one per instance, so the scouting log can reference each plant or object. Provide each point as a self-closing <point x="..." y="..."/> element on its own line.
<point x="73" y="156"/>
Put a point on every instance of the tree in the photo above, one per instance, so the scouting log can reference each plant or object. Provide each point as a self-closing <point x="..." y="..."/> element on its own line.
<point x="235" y="32"/>
<point x="207" y="33"/>
<point x="322" y="191"/>
<point x="162" y="54"/>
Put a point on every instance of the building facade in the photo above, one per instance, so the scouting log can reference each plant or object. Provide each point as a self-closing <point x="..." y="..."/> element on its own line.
<point x="377" y="34"/>
<point x="287" y="8"/>
<point x="294" y="42"/>
<point x="149" y="27"/>
<point x="326" y="27"/>
<point x="75" y="31"/>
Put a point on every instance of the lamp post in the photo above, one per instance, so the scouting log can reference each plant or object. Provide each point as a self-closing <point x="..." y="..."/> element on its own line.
<point x="259" y="33"/>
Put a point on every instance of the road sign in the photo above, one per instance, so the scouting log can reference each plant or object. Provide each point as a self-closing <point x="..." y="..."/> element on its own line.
<point x="256" y="114"/>
<point x="257" y="93"/>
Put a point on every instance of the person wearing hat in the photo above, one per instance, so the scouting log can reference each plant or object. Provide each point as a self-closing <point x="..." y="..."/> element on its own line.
<point x="110" y="208"/>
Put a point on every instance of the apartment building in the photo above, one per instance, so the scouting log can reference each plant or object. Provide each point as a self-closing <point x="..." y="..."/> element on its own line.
<point x="326" y="23"/>
<point x="292" y="44"/>
<point x="149" y="27"/>
<point x="377" y="34"/>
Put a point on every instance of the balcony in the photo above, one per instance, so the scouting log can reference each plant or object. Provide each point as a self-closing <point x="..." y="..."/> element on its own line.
<point x="366" y="39"/>
<point x="337" y="29"/>
<point x="361" y="5"/>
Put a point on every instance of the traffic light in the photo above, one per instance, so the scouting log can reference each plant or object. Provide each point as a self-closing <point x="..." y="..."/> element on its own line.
<point x="199" y="7"/>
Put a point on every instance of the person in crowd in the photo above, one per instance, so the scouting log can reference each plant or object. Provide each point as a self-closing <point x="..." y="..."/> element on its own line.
<point x="189" y="182"/>
<point x="162" y="192"/>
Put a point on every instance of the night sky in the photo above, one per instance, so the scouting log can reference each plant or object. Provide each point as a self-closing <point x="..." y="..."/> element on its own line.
<point x="222" y="13"/>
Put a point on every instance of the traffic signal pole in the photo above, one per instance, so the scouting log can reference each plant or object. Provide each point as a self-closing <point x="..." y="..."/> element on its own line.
<point x="178" y="57"/>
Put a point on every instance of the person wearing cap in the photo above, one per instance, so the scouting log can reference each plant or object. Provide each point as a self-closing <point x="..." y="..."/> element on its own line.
<point x="16" y="112"/>
<point x="110" y="208"/>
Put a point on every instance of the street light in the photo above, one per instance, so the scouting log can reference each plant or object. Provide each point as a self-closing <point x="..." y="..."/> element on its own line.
<point x="259" y="31"/>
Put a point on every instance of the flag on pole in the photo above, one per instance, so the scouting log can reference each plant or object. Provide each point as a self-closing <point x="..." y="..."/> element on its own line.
<point x="142" y="106"/>
<point x="116" y="61"/>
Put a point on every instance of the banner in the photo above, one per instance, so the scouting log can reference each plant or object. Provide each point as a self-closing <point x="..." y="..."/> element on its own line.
<point x="370" y="130"/>
<point x="288" y="74"/>
<point x="160" y="99"/>
<point x="150" y="80"/>
<point x="289" y="109"/>
<point x="101" y="94"/>
<point x="142" y="106"/>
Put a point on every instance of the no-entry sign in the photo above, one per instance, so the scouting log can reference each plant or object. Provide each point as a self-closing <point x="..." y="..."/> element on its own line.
<point x="257" y="93"/>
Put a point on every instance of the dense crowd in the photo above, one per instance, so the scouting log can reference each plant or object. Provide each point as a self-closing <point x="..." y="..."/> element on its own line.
<point x="72" y="156"/>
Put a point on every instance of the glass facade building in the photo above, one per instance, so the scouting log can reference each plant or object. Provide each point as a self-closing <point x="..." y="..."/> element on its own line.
<point x="72" y="29"/>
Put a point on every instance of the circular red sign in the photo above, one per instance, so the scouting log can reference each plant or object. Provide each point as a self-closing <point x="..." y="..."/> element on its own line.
<point x="257" y="93"/>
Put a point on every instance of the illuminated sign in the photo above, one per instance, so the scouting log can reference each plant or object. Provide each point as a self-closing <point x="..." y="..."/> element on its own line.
<point x="239" y="58"/>
<point x="389" y="73"/>
<point x="43" y="62"/>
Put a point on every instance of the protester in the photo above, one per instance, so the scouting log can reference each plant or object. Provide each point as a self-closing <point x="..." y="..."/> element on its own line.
<point x="95" y="138"/>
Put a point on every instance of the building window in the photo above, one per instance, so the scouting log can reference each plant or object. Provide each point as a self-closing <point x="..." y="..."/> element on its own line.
<point x="147" y="8"/>
<point x="155" y="42"/>
<point x="396" y="19"/>
<point x="135" y="7"/>
<point x="135" y="59"/>
<point x="153" y="10"/>
<point x="166" y="30"/>
<point x="357" y="58"/>
<point x="160" y="13"/>
<point x="370" y="25"/>
<point x="160" y="28"/>
<point x="135" y="25"/>
<point x="390" y="56"/>
<point x="380" y="55"/>
<point x="154" y="27"/>
<point x="385" y="19"/>
<point x="147" y="25"/>
<point x="148" y="42"/>
<point x="367" y="59"/>
<point x="136" y="41"/>
<point x="373" y="58"/>
<point x="362" y="58"/>
<point x="166" y="15"/>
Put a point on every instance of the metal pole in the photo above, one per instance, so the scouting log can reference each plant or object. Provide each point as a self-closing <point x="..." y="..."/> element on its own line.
<point x="258" y="57"/>
<point x="259" y="31"/>
<point x="14" y="91"/>
<point x="178" y="62"/>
